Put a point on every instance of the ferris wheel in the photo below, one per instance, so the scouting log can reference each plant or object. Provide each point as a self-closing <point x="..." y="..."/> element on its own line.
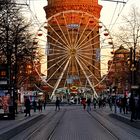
<point x="74" y="49"/>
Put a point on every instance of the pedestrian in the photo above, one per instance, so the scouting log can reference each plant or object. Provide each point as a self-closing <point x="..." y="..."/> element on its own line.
<point x="34" y="105"/>
<point x="137" y="105"/>
<point x="120" y="104"/>
<point x="124" y="103"/>
<point x="44" y="104"/>
<point x="88" y="104"/>
<point x="83" y="102"/>
<point x="94" y="103"/>
<point x="110" y="102"/>
<point x="27" y="107"/>
<point x="127" y="106"/>
<point x="132" y="107"/>
<point x="16" y="106"/>
<point x="57" y="104"/>
<point x="104" y="102"/>
<point x="40" y="105"/>
<point x="100" y="103"/>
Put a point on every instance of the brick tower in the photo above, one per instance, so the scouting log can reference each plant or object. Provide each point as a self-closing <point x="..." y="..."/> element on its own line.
<point x="56" y="6"/>
<point x="75" y="19"/>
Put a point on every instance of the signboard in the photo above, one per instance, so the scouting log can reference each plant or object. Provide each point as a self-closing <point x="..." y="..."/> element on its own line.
<point x="73" y="26"/>
<point x="134" y="87"/>
<point x="6" y="100"/>
<point x="74" y="89"/>
<point x="4" y="103"/>
<point x="3" y="77"/>
<point x="3" y="82"/>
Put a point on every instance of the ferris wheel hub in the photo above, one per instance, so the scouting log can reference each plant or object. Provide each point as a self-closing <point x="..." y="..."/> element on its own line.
<point x="72" y="52"/>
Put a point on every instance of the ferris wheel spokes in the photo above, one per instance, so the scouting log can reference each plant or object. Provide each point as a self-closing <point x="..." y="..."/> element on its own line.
<point x="76" y="51"/>
<point x="55" y="70"/>
<point x="60" y="77"/>
<point x="91" y="85"/>
<point x="85" y="62"/>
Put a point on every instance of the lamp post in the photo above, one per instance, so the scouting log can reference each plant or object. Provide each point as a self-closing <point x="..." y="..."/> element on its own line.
<point x="133" y="68"/>
<point x="114" y="88"/>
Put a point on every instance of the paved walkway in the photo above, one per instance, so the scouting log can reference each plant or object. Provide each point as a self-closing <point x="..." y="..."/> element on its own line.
<point x="7" y="125"/>
<point x="21" y="121"/>
<point x="78" y="124"/>
<point x="119" y="116"/>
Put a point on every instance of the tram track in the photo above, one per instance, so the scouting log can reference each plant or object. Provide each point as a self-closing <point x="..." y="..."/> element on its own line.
<point x="55" y="128"/>
<point x="46" y="123"/>
<point x="41" y="125"/>
<point x="117" y="124"/>
<point x="32" y="130"/>
<point x="104" y="127"/>
<point x="49" y="126"/>
<point x="51" y="136"/>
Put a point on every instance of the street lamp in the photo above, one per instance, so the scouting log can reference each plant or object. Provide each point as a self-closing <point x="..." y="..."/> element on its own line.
<point x="133" y="68"/>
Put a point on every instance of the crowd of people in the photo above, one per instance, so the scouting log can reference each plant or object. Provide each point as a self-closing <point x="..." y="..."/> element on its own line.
<point x="127" y="105"/>
<point x="35" y="105"/>
<point x="123" y="104"/>
<point x="38" y="105"/>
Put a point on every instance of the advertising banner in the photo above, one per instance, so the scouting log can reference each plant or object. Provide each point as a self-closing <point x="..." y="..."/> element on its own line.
<point x="4" y="103"/>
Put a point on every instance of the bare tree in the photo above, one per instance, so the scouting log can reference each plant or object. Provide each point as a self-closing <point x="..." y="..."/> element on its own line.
<point x="129" y="36"/>
<point x="16" y="47"/>
<point x="14" y="31"/>
<point x="129" y="32"/>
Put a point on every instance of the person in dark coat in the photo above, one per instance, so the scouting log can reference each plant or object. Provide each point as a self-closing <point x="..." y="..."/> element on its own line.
<point x="27" y="107"/>
<point x="83" y="102"/>
<point x="40" y="105"/>
<point x="124" y="103"/>
<point x="137" y="106"/>
<point x="34" y="105"/>
<point x="57" y="104"/>
<point x="16" y="106"/>
<point x="132" y="107"/>
<point x="94" y="103"/>
<point x="88" y="104"/>
<point x="44" y="104"/>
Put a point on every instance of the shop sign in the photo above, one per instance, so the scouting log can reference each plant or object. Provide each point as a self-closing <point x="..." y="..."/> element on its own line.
<point x="73" y="26"/>
<point x="134" y="87"/>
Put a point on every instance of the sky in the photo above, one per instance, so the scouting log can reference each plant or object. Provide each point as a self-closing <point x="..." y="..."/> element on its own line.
<point x="111" y="12"/>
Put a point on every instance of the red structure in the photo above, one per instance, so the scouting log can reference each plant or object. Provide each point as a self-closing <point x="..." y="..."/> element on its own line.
<point x="89" y="6"/>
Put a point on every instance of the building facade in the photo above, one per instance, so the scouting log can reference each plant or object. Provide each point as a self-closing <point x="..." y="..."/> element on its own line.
<point x="119" y="77"/>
